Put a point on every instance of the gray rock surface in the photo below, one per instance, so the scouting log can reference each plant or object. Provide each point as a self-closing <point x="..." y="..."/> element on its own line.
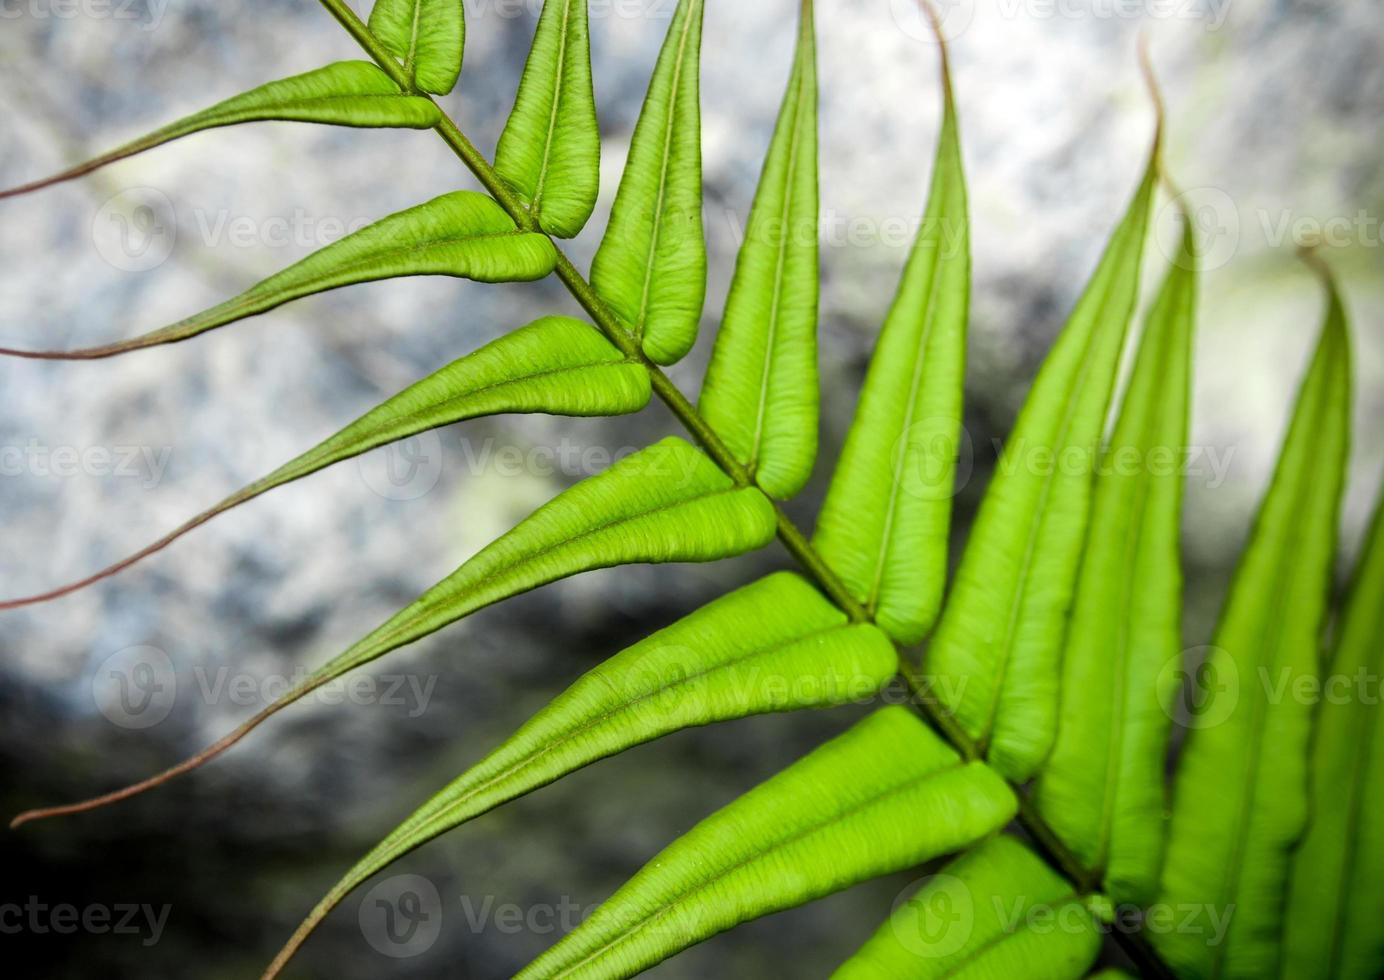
<point x="1275" y="112"/>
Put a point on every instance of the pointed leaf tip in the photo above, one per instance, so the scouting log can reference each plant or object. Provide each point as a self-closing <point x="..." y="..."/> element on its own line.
<point x="346" y="93"/>
<point x="761" y="385"/>
<point x="885" y="525"/>
<point x="555" y="365"/>
<point x="462" y="234"/>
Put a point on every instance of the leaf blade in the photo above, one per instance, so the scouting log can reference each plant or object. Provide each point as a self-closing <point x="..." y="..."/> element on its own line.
<point x="555" y="365"/>
<point x="345" y="93"/>
<point x="1253" y="761"/>
<point x="809" y="831"/>
<point x="995" y="912"/>
<point x="427" y="36"/>
<point x="724" y="661"/>
<point x="462" y="234"/>
<point x="1101" y="789"/>
<point x="1335" y="914"/>
<point x="760" y="392"/>
<point x="651" y="266"/>
<point x="884" y="527"/>
<point x="1001" y="684"/>
<point x="550" y="150"/>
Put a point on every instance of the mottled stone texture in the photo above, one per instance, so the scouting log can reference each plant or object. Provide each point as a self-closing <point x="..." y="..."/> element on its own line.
<point x="1275" y="110"/>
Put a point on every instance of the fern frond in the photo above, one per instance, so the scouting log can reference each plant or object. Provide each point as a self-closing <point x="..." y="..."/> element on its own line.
<point x="550" y="150"/>
<point x="651" y="266"/>
<point x="462" y="234"/>
<point x="1240" y="797"/>
<point x="760" y="393"/>
<point x="426" y="36"/>
<point x="886" y="795"/>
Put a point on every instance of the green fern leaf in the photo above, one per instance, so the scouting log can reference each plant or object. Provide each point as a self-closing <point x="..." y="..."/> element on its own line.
<point x="555" y="365"/>
<point x="885" y="522"/>
<point x="461" y="234"/>
<point x="427" y="36"/>
<point x="993" y="662"/>
<point x="1240" y="797"/>
<point x="995" y="913"/>
<point x="347" y="93"/>
<point x="550" y="150"/>
<point x="1102" y="788"/>
<point x="651" y="266"/>
<point x="886" y="795"/>
<point x="775" y="645"/>
<point x="761" y="386"/>
<point x="667" y="503"/>
<point x="1335" y="918"/>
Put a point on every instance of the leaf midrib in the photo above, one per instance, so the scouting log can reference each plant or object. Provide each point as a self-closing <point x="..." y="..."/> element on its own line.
<point x="789" y="196"/>
<point x="1016" y="599"/>
<point x="558" y="86"/>
<point x="1272" y="631"/>
<point x="675" y="102"/>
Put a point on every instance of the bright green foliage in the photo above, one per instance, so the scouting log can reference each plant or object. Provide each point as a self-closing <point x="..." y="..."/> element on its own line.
<point x="995" y="913"/>
<point x="886" y="795"/>
<point x="1335" y="918"/>
<point x="347" y="93"/>
<point x="550" y="150"/>
<point x="651" y="266"/>
<point x="994" y="659"/>
<point x="887" y="515"/>
<point x="776" y="645"/>
<point x="556" y="365"/>
<point x="666" y="503"/>
<point x="1240" y="797"/>
<point x="1102" y="788"/>
<point x="461" y="234"/>
<point x="761" y="386"/>
<point x="427" y="36"/>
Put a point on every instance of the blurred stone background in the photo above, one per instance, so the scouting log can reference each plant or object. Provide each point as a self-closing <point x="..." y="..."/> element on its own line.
<point x="1275" y="114"/>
